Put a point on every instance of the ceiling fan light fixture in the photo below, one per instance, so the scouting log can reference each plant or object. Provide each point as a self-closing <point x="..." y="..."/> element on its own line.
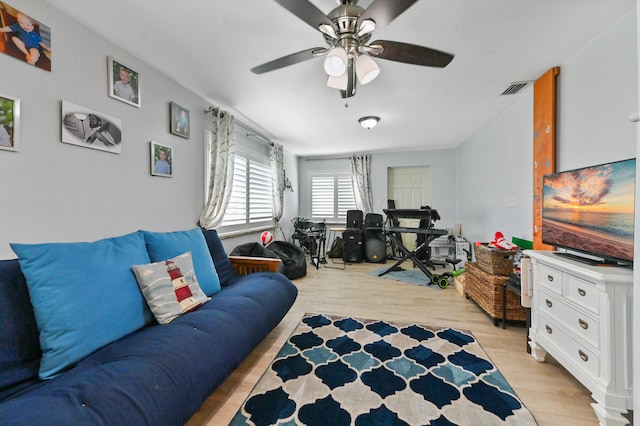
<point x="366" y="69"/>
<point x="369" y="122"/>
<point x="335" y="63"/>
<point x="340" y="82"/>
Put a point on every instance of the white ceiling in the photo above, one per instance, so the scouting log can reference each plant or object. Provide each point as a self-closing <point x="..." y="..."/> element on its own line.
<point x="210" y="46"/>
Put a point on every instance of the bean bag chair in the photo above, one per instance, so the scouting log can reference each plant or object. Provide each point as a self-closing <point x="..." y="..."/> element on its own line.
<point x="257" y="250"/>
<point x="295" y="263"/>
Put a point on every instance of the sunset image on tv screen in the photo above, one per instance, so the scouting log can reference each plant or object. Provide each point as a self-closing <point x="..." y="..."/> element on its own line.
<point x="591" y="209"/>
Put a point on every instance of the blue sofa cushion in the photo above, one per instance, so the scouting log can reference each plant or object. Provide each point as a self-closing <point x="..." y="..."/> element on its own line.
<point x="226" y="273"/>
<point x="19" y="347"/>
<point x="161" y="374"/>
<point x="165" y="245"/>
<point x="84" y="295"/>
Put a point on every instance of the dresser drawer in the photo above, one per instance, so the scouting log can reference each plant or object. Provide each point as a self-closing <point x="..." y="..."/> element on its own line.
<point x="584" y="358"/>
<point x="581" y="324"/>
<point x="550" y="278"/>
<point x="584" y="293"/>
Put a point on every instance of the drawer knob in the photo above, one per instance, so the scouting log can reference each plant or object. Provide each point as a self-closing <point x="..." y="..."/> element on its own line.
<point x="582" y="292"/>
<point x="549" y="329"/>
<point x="583" y="324"/>
<point x="583" y="356"/>
<point x="550" y="278"/>
<point x="549" y="303"/>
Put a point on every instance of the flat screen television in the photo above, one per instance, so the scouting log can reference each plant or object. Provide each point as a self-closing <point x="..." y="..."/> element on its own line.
<point x="591" y="211"/>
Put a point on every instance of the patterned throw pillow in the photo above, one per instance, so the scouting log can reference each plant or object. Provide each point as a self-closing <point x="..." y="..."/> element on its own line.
<point x="170" y="287"/>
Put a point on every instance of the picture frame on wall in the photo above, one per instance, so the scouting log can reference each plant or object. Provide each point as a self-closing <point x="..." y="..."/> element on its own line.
<point x="180" y="121"/>
<point x="9" y="123"/>
<point x="89" y="128"/>
<point x="124" y="83"/>
<point x="27" y="39"/>
<point x="161" y="160"/>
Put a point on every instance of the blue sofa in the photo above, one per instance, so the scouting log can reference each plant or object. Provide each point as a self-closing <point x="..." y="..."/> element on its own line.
<point x="157" y="375"/>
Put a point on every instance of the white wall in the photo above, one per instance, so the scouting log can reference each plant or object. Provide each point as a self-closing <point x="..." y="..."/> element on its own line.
<point x="597" y="91"/>
<point x="443" y="173"/>
<point x="443" y="179"/>
<point x="53" y="191"/>
<point x="494" y="166"/>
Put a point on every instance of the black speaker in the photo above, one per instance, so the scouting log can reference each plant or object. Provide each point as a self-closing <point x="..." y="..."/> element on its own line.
<point x="354" y="219"/>
<point x="375" y="248"/>
<point x="373" y="220"/>
<point x="352" y="246"/>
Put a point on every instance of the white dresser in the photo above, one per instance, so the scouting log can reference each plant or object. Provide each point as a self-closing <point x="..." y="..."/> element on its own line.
<point x="582" y="316"/>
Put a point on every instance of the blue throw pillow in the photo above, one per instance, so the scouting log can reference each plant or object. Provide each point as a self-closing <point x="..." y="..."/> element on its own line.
<point x="84" y="295"/>
<point x="165" y="245"/>
<point x="19" y="346"/>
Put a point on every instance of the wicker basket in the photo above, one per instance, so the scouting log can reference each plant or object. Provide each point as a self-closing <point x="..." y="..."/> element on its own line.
<point x="486" y="290"/>
<point x="494" y="261"/>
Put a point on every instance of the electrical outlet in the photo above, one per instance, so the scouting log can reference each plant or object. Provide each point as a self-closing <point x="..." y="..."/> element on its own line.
<point x="510" y="201"/>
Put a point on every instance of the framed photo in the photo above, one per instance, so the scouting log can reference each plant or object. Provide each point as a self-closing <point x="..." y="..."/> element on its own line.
<point x="91" y="129"/>
<point x="180" y="122"/>
<point x="161" y="160"/>
<point x="25" y="39"/>
<point x="9" y="123"/>
<point x="124" y="83"/>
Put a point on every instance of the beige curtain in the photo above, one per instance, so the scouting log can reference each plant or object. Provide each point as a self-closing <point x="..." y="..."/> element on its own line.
<point x="360" y="178"/>
<point x="221" y="155"/>
<point x="277" y="180"/>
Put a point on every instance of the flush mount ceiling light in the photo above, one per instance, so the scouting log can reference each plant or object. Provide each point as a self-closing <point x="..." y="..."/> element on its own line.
<point x="369" y="122"/>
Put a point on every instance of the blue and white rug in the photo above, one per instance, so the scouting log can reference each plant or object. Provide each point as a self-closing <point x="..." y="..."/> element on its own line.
<point x="410" y="276"/>
<point x="347" y="371"/>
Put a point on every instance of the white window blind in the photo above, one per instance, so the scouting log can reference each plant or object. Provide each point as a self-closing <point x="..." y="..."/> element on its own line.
<point x="331" y="196"/>
<point x="251" y="198"/>
<point x="236" y="211"/>
<point x="260" y="194"/>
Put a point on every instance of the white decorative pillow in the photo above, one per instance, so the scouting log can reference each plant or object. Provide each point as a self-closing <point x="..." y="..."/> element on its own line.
<point x="170" y="287"/>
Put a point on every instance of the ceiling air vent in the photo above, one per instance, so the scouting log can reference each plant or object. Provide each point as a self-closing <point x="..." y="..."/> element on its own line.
<point x="515" y="87"/>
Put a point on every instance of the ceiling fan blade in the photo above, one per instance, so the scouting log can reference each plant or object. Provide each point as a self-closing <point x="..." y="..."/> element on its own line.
<point x="306" y="11"/>
<point x="385" y="11"/>
<point x="412" y="54"/>
<point x="292" y="59"/>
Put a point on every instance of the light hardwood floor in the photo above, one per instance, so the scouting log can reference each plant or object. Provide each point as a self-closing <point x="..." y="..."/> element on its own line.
<point x="550" y="392"/>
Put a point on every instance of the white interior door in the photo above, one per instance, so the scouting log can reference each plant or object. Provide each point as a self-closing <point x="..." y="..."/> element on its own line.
<point x="410" y="188"/>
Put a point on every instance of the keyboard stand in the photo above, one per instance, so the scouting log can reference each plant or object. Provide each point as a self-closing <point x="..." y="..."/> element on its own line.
<point x="430" y="235"/>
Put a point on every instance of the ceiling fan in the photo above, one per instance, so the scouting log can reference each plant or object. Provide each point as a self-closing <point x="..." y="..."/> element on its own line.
<point x="347" y="30"/>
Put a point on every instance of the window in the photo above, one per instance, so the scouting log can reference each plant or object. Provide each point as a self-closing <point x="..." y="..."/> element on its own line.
<point x="251" y="202"/>
<point x="331" y="196"/>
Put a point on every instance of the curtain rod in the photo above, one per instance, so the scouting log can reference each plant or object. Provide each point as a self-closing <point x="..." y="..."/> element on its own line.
<point x="326" y="158"/>
<point x="215" y="111"/>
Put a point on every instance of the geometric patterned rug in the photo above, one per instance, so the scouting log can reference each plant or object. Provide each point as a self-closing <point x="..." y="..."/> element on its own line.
<point x="346" y="371"/>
